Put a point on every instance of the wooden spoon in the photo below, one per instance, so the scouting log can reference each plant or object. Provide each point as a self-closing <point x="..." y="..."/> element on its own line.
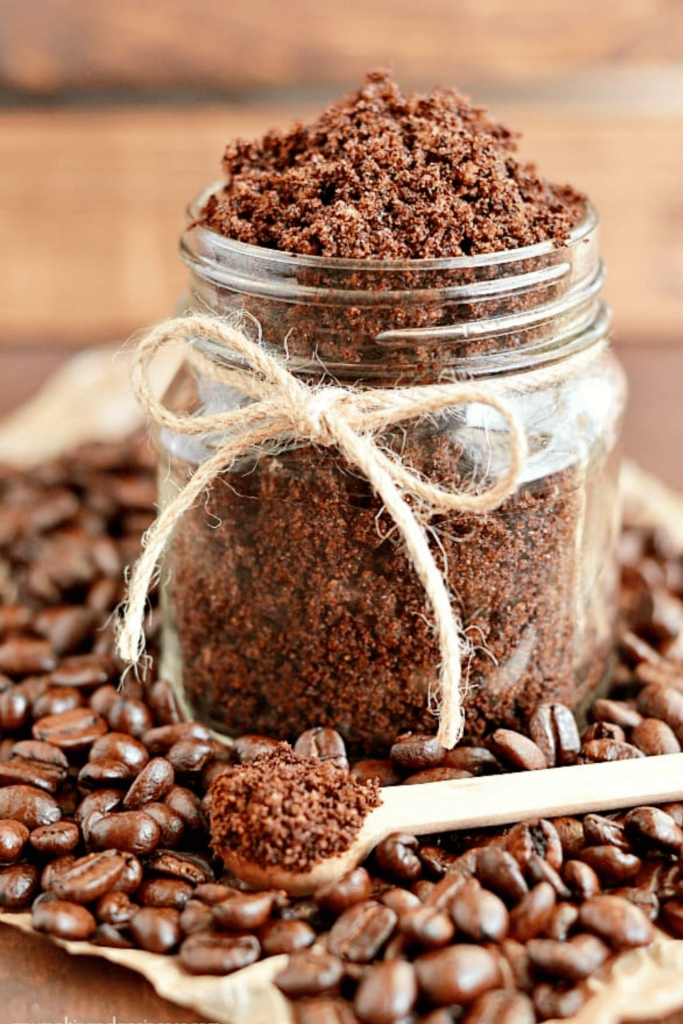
<point x="475" y="803"/>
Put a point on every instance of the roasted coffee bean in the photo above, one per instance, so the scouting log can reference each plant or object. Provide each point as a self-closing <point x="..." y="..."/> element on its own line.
<point x="190" y="867"/>
<point x="603" y="731"/>
<point x="162" y="701"/>
<point x="29" y="806"/>
<point x="653" y="828"/>
<point x="186" y="805"/>
<point x="164" y="892"/>
<point x="84" y="671"/>
<point x="537" y="836"/>
<point x="361" y="931"/>
<point x="243" y="912"/>
<point x="601" y="831"/>
<point x="13" y="837"/>
<point x="553" y="728"/>
<point x="654" y="737"/>
<point x="646" y="900"/>
<point x="457" y="974"/>
<point x="54" y="840"/>
<point x="119" y="746"/>
<point x="479" y="914"/>
<point x="106" y="773"/>
<point x="130" y="715"/>
<point x="34" y="750"/>
<point x="610" y="863"/>
<point x="151" y="786"/>
<point x="171" y="824"/>
<point x="396" y="856"/>
<point x="427" y="927"/>
<point x="399" y="900"/>
<point x="375" y="768"/>
<point x="616" y="711"/>
<point x="351" y="888"/>
<point x="195" y="917"/>
<point x="160" y="739"/>
<point x="18" y="772"/>
<point x="664" y="702"/>
<point x="131" y="879"/>
<point x="18" y="884"/>
<point x="115" y="908"/>
<point x="618" y="921"/>
<point x="501" y="1006"/>
<point x="132" y="831"/>
<point x="74" y="730"/>
<point x="156" y="929"/>
<point x="214" y="892"/>
<point x="597" y="751"/>
<point x="66" y="627"/>
<point x="573" y="960"/>
<point x="499" y="871"/>
<point x="323" y="743"/>
<point x="56" y="701"/>
<point x="189" y="755"/>
<point x="533" y="912"/>
<point x="539" y="870"/>
<point x="103" y="698"/>
<point x="436" y="861"/>
<point x="99" y="803"/>
<point x="387" y="993"/>
<point x="442" y="774"/>
<point x="109" y="935"/>
<point x="206" y="953"/>
<point x="15" y="709"/>
<point x="476" y="760"/>
<point x="552" y="1001"/>
<point x="87" y="878"/>
<point x="23" y="656"/>
<point x="517" y="750"/>
<point x="309" y="973"/>
<point x="64" y="920"/>
<point x="581" y="879"/>
<point x="562" y="920"/>
<point x="285" y="936"/>
<point x="414" y="751"/>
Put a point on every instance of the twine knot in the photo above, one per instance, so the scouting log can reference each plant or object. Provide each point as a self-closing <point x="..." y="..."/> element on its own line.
<point x="284" y="409"/>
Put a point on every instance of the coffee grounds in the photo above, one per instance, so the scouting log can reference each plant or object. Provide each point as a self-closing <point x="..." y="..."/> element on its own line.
<point x="387" y="176"/>
<point x="288" y="810"/>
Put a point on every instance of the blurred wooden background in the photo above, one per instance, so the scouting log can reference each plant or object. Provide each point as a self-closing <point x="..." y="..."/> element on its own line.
<point x="115" y="112"/>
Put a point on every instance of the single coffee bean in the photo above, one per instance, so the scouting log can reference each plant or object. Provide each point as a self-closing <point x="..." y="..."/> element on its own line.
<point x="195" y="917"/>
<point x="186" y="805"/>
<point x="619" y="922"/>
<point x="498" y="871"/>
<point x="653" y="828"/>
<point x="517" y="750"/>
<point x="553" y="1002"/>
<point x="171" y="824"/>
<point x="399" y="900"/>
<point x="18" y="772"/>
<point x="115" y="908"/>
<point x="18" y="885"/>
<point x="54" y="840"/>
<point x="427" y="927"/>
<point x="156" y="929"/>
<point x="131" y="879"/>
<point x="601" y="831"/>
<point x="645" y="899"/>
<point x="574" y="960"/>
<point x="64" y="920"/>
<point x="442" y="774"/>
<point x="102" y="699"/>
<point x="537" y="836"/>
<point x="663" y="702"/>
<point x="336" y="896"/>
<point x="162" y="701"/>
<point x="23" y="656"/>
<point x="29" y="806"/>
<point x="414" y="751"/>
<point x="160" y="739"/>
<point x="214" y="892"/>
<point x="106" y="773"/>
<point x="361" y="931"/>
<point x="616" y="711"/>
<point x="243" y="912"/>
<point x="387" y="993"/>
<point x="74" y="730"/>
<point x="436" y="861"/>
<point x="603" y="731"/>
<point x="539" y="870"/>
<point x="597" y="751"/>
<point x="501" y="1006"/>
<point x="34" y="750"/>
<point x="323" y="743"/>
<point x="151" y="786"/>
<point x="581" y="878"/>
<point x="132" y="831"/>
<point x="189" y="755"/>
<point x="130" y="715"/>
<point x="476" y="760"/>
<point x="396" y="856"/>
<point x="56" y="701"/>
<point x="189" y="867"/>
<point x="164" y="892"/>
<point x="66" y="627"/>
<point x="533" y="912"/>
<point x="207" y="953"/>
<point x="98" y="803"/>
<point x="84" y="671"/>
<point x="309" y="973"/>
<point x="654" y="737"/>
<point x="479" y="914"/>
<point x="285" y="936"/>
<point x="87" y="878"/>
<point x="13" y="837"/>
<point x="375" y="768"/>
<point x="119" y="746"/>
<point x="571" y="835"/>
<point x="610" y="863"/>
<point x="457" y="974"/>
<point x="562" y="920"/>
<point x="15" y="710"/>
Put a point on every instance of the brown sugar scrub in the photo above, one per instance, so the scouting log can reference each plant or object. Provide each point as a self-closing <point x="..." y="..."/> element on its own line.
<point x="287" y="810"/>
<point x="289" y="598"/>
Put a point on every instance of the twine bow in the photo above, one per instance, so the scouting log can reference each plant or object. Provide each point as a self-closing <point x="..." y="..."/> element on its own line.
<point x="286" y="409"/>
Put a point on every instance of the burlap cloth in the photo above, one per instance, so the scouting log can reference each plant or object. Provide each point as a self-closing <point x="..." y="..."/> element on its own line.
<point x="90" y="399"/>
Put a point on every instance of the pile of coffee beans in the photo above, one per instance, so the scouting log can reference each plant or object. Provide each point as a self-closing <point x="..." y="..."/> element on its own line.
<point x="105" y="795"/>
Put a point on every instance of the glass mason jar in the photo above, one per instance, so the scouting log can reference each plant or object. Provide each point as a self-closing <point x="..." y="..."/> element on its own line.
<point x="289" y="601"/>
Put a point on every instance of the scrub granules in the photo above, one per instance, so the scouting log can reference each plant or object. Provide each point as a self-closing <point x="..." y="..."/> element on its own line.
<point x="289" y="599"/>
<point x="289" y="811"/>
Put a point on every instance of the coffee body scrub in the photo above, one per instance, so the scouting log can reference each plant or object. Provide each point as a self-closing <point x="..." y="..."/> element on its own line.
<point x="395" y="241"/>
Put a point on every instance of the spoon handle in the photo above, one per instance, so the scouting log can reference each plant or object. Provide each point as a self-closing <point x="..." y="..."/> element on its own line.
<point x="502" y="799"/>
